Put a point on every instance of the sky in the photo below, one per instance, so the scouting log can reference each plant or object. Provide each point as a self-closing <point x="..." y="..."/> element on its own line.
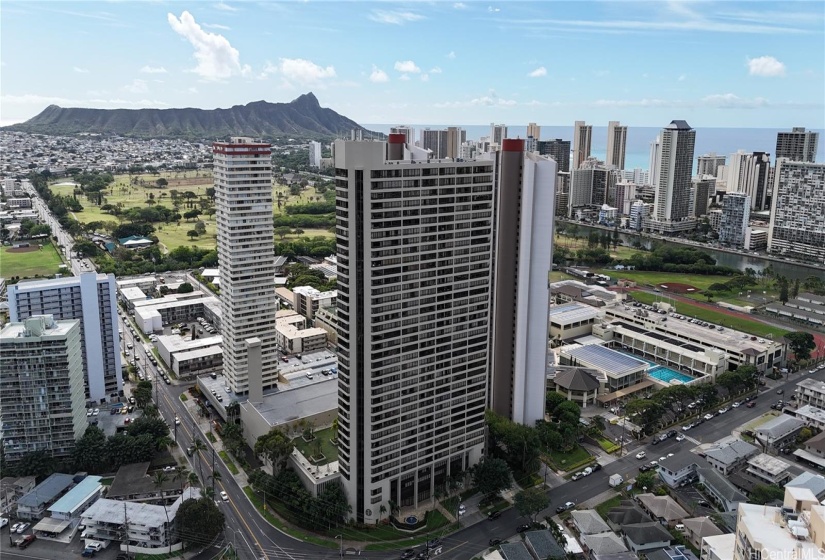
<point x="722" y="63"/>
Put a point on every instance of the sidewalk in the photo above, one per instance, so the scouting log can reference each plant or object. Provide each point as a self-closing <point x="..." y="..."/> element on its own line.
<point x="598" y="499"/>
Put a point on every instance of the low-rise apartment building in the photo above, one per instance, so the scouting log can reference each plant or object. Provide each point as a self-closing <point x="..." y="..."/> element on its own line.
<point x="769" y="469"/>
<point x="309" y="300"/>
<point x="729" y="456"/>
<point x="294" y="337"/>
<point x="812" y="392"/>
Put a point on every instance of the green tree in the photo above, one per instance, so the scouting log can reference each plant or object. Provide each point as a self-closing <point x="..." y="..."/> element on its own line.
<point x="215" y="477"/>
<point x="192" y="234"/>
<point x="200" y="227"/>
<point x="181" y="475"/>
<point x="162" y="183"/>
<point x="185" y="288"/>
<point x="801" y="344"/>
<point x="764" y="493"/>
<point x="805" y="434"/>
<point x="795" y="288"/>
<point x="38" y="464"/>
<point x="199" y="521"/>
<point x="89" y="454"/>
<point x="531" y="501"/>
<point x="197" y="447"/>
<point x="274" y="447"/>
<point x="492" y="475"/>
<point x="783" y="292"/>
<point x="233" y="438"/>
<point x="646" y="480"/>
<point x="282" y="231"/>
<point x="552" y="400"/>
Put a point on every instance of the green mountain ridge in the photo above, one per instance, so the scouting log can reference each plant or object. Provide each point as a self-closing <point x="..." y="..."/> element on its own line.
<point x="303" y="118"/>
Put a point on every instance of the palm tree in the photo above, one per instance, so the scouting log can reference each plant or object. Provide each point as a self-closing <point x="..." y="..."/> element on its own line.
<point x="208" y="493"/>
<point x="164" y="442"/>
<point x="159" y="478"/>
<point x="182" y="474"/>
<point x="198" y="446"/>
<point x="215" y="477"/>
<point x="193" y="479"/>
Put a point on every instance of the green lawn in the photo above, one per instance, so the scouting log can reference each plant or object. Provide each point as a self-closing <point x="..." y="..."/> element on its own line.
<point x="229" y="464"/>
<point x="571" y="460"/>
<point x="606" y="506"/>
<point x="43" y="262"/>
<point x="329" y="450"/>
<point x="644" y="278"/>
<point x="620" y="252"/>
<point x="738" y="323"/>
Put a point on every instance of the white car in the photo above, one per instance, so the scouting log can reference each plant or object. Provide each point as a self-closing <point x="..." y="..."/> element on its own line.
<point x="723" y="410"/>
<point x="709" y="416"/>
<point x="670" y="454"/>
<point x="737" y="404"/>
<point x="462" y="509"/>
<point x="89" y="412"/>
<point x="680" y="437"/>
<point x="3" y="522"/>
<point x="177" y="421"/>
<point x="224" y="496"/>
<point x="96" y="412"/>
<point x="641" y="455"/>
<point x="22" y="528"/>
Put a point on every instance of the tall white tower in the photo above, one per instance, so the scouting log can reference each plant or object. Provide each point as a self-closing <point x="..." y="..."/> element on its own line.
<point x="672" y="202"/>
<point x="582" y="135"/>
<point x="616" y="144"/>
<point x="246" y="259"/>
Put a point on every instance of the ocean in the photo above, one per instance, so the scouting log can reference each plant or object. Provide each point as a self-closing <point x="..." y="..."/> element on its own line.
<point x="723" y="141"/>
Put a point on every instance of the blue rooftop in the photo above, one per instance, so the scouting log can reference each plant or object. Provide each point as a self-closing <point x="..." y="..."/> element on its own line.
<point x="76" y="495"/>
<point x="47" y="490"/>
<point x="606" y="359"/>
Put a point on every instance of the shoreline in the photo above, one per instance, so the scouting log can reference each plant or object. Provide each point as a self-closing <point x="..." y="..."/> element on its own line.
<point x="679" y="241"/>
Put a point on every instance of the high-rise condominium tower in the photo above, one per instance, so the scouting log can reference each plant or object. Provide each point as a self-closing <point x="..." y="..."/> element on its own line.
<point x="797" y="145"/>
<point x="91" y="298"/>
<point x="672" y="200"/>
<point x="750" y="173"/>
<point x="456" y="136"/>
<point x="407" y="131"/>
<point x="557" y="149"/>
<point x="246" y="259"/>
<point x="736" y="209"/>
<point x="498" y="132"/>
<point x="42" y="402"/>
<point x="524" y="241"/>
<point x="708" y="164"/>
<point x="415" y="257"/>
<point x="314" y="154"/>
<point x="435" y="140"/>
<point x="655" y="160"/>
<point x="798" y="210"/>
<point x="534" y="131"/>
<point x="582" y="135"/>
<point x="616" y="144"/>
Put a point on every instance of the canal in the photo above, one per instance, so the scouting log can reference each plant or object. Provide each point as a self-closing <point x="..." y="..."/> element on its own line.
<point x="723" y="258"/>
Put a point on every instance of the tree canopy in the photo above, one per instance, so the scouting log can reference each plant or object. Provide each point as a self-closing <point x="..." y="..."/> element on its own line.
<point x="199" y="521"/>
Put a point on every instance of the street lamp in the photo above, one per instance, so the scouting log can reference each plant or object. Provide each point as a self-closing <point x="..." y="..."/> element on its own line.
<point x="341" y="550"/>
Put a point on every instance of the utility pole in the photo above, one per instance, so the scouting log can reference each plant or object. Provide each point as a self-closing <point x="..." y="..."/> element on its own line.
<point x="126" y="528"/>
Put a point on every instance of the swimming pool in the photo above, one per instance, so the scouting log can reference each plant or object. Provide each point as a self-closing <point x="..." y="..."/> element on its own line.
<point x="662" y="373"/>
<point x="667" y="375"/>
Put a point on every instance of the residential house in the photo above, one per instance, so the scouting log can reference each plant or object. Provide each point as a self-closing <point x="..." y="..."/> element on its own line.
<point x="515" y="551"/>
<point x="811" y="391"/>
<point x="730" y="456"/>
<point x="812" y="416"/>
<point x="718" y="547"/>
<point x="814" y="451"/>
<point x="615" y="556"/>
<point x="34" y="504"/>
<point x="644" y="537"/>
<point x="719" y="489"/>
<point x="605" y="543"/>
<point x="678" y="552"/>
<point x="542" y="545"/>
<point x="627" y="513"/>
<point x="769" y="469"/>
<point x="663" y="509"/>
<point x="779" y="432"/>
<point x="680" y="469"/>
<point x="11" y="488"/>
<point x="697" y="528"/>
<point x="813" y="482"/>
<point x="588" y="522"/>
<point x="134" y="484"/>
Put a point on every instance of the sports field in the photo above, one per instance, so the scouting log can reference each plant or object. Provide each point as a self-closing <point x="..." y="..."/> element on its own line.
<point x="29" y="263"/>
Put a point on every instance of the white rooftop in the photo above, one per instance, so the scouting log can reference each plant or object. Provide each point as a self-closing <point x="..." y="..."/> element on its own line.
<point x="771" y="465"/>
<point x="56" y="328"/>
<point x="812" y="413"/>
<point x="572" y="313"/>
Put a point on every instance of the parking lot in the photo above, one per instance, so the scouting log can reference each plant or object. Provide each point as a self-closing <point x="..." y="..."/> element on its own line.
<point x="42" y="548"/>
<point x="692" y="500"/>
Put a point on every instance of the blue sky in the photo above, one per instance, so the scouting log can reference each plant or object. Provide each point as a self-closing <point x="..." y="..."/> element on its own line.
<point x="728" y="64"/>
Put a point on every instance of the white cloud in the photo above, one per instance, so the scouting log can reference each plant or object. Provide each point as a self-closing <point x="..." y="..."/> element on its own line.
<point x="137" y="86"/>
<point x="192" y="90"/>
<point x="766" y="66"/>
<point x="378" y="76"/>
<point x="460" y="6"/>
<point x="491" y="100"/>
<point x="42" y="100"/>
<point x="732" y="101"/>
<point x="404" y="77"/>
<point x="395" y="17"/>
<point x="538" y="72"/>
<point x="217" y="58"/>
<point x="217" y="26"/>
<point x="451" y="55"/>
<point x="683" y="77"/>
<point x="435" y="70"/>
<point x="493" y="10"/>
<point x="269" y="68"/>
<point x="153" y="70"/>
<point x="304" y="72"/>
<point x="224" y="7"/>
<point x="425" y="77"/>
<point x="80" y="70"/>
<point x="407" y="67"/>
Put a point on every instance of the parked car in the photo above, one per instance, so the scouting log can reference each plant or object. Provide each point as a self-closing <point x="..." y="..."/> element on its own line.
<point x="780" y="391"/>
<point x="522" y="528"/>
<point x="736" y="404"/>
<point x="407" y="554"/>
<point x="655" y="441"/>
<point x="723" y="410"/>
<point x="751" y="404"/>
<point x="494" y="515"/>
<point x="708" y="416"/>
<point x="564" y="507"/>
<point x="26" y="541"/>
<point x="641" y="455"/>
<point x="680" y="437"/>
<point x="672" y="433"/>
<point x="22" y="527"/>
<point x="494" y="541"/>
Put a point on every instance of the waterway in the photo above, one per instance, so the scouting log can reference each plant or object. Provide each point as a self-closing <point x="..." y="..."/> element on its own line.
<point x="723" y="258"/>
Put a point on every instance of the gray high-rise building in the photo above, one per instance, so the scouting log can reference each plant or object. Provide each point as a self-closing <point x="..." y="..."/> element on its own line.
<point x="736" y="209"/>
<point x="797" y="145"/>
<point x="414" y="318"/>
<point x="588" y="186"/>
<point x="407" y="131"/>
<point x="92" y="299"/>
<point x="750" y="173"/>
<point x="708" y="164"/>
<point x="616" y="144"/>
<point x="582" y="136"/>
<point x="242" y="172"/>
<point x="798" y="210"/>
<point x="435" y="140"/>
<point x="672" y="211"/>
<point x="557" y="149"/>
<point x="702" y="188"/>
<point x="456" y="136"/>
<point x="498" y="132"/>
<point x="42" y="401"/>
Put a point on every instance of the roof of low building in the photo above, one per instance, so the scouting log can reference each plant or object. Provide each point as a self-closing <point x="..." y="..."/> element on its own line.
<point x="671" y="553"/>
<point x="47" y="491"/>
<point x="817" y="442"/>
<point x="515" y="551"/>
<point x="604" y="543"/>
<point x="544" y="545"/>
<point x="768" y="463"/>
<point x="702" y="526"/>
<point x="607" y="359"/>
<point x="780" y="426"/>
<point x="813" y="482"/>
<point x="643" y="533"/>
<point x="577" y="379"/>
<point x="723" y="487"/>
<point x="730" y="453"/>
<point x="626" y="513"/>
<point x="663" y="507"/>
<point x="589" y="521"/>
<point x="133" y="480"/>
